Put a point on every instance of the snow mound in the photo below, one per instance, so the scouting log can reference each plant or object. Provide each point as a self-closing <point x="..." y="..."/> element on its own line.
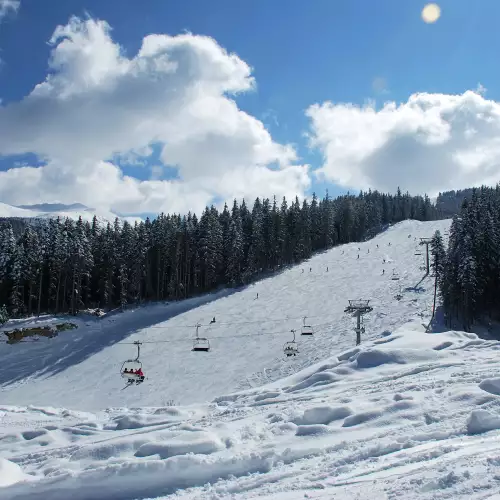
<point x="10" y="473"/>
<point x="482" y="421"/>
<point x="311" y="430"/>
<point x="491" y="385"/>
<point x="182" y="444"/>
<point x="323" y="415"/>
<point x="371" y="358"/>
<point x="138" y="421"/>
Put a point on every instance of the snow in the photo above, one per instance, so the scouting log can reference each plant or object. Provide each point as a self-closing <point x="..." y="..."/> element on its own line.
<point x="405" y="414"/>
<point x="70" y="212"/>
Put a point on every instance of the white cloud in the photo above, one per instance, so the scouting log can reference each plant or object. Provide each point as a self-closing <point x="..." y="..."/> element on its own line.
<point x="8" y="7"/>
<point x="431" y="143"/>
<point x="97" y="104"/>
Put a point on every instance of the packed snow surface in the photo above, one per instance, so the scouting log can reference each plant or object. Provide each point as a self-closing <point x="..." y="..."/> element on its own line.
<point x="407" y="414"/>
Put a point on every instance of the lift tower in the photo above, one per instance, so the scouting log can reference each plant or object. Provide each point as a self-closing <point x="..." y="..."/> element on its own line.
<point x="358" y="307"/>
<point x="426" y="242"/>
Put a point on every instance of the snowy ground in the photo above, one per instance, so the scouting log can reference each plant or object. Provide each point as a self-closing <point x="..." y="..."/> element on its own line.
<point x="411" y="414"/>
<point x="408" y="414"/>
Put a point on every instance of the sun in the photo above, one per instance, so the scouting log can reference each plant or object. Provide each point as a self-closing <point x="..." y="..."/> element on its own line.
<point x="431" y="13"/>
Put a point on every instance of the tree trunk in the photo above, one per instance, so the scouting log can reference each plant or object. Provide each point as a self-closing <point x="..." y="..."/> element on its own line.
<point x="40" y="292"/>
<point x="30" y="295"/>
<point x="58" y="290"/>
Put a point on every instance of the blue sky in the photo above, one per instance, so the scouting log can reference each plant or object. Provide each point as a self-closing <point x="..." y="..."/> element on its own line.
<point x="302" y="53"/>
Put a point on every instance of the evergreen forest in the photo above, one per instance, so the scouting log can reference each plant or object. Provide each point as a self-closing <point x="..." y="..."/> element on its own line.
<point x="468" y="272"/>
<point x="66" y="266"/>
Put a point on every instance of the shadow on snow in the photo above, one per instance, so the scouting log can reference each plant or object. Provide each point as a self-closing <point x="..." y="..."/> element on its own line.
<point x="48" y="357"/>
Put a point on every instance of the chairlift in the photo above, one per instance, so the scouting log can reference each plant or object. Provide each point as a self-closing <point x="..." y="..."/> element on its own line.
<point x="131" y="366"/>
<point x="395" y="275"/>
<point x="200" y="343"/>
<point x="307" y="329"/>
<point x="291" y="348"/>
<point x="399" y="295"/>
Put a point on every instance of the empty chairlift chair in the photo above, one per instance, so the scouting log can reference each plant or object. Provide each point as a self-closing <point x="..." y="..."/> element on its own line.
<point x="200" y="343"/>
<point x="306" y="329"/>
<point x="291" y="348"/>
<point x="395" y="275"/>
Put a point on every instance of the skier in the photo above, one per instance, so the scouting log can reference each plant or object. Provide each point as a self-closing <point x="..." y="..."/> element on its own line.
<point x="326" y="268"/>
<point x="310" y="269"/>
<point x="377" y="245"/>
<point x="257" y="296"/>
<point x="358" y="255"/>
<point x="389" y="243"/>
<point x="383" y="271"/>
<point x="302" y="271"/>
<point x="140" y="374"/>
<point x="368" y="250"/>
<point x="213" y="320"/>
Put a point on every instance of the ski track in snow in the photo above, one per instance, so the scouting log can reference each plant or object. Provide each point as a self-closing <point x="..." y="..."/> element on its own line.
<point x="406" y="414"/>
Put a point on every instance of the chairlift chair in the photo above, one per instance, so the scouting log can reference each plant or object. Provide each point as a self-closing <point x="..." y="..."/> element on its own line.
<point x="395" y="275"/>
<point x="132" y="365"/>
<point x="291" y="348"/>
<point x="306" y="329"/>
<point x="200" y="343"/>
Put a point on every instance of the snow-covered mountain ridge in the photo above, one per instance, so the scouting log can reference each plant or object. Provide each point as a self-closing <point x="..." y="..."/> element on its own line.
<point x="47" y="211"/>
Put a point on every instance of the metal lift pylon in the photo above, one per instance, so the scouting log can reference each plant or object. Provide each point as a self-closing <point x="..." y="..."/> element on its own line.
<point x="358" y="308"/>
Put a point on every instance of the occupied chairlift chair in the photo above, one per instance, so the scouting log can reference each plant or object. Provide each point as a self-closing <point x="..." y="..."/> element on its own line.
<point x="306" y="329"/>
<point x="291" y="348"/>
<point x="200" y="343"/>
<point x="131" y="365"/>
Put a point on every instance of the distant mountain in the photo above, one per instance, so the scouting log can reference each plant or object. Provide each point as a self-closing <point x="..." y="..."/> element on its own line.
<point x="36" y="213"/>
<point x="55" y="207"/>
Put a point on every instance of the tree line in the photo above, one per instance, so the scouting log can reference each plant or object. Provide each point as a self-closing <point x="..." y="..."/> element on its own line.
<point x="61" y="266"/>
<point x="469" y="271"/>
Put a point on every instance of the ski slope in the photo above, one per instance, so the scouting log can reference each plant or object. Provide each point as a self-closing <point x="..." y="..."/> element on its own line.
<point x="406" y="414"/>
<point x="80" y="369"/>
